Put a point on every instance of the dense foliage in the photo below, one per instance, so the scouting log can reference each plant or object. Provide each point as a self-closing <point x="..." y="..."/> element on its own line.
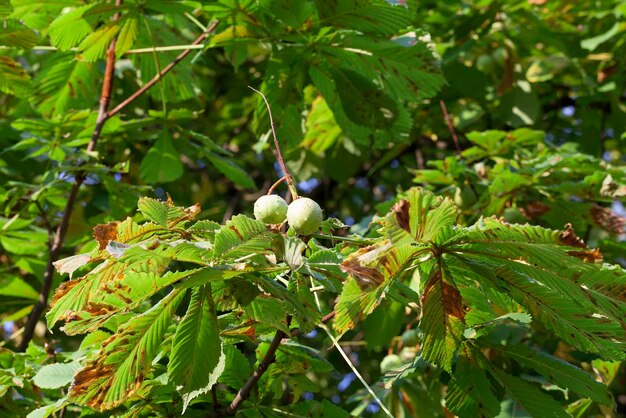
<point x="468" y="157"/>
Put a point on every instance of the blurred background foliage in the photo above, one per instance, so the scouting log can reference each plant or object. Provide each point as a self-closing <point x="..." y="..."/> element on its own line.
<point x="534" y="90"/>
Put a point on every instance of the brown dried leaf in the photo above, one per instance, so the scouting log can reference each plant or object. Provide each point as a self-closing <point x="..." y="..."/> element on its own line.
<point x="401" y="211"/>
<point x="608" y="220"/>
<point x="534" y="209"/>
<point x="104" y="233"/>
<point x="569" y="237"/>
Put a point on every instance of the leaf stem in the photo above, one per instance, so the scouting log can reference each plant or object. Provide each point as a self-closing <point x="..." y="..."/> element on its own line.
<point x="267" y="360"/>
<point x="59" y="235"/>
<point x="161" y="73"/>
<point x="279" y="155"/>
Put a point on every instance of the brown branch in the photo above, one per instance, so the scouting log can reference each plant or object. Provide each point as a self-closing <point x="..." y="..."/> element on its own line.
<point x="59" y="236"/>
<point x="161" y="73"/>
<point x="450" y="126"/>
<point x="279" y="155"/>
<point x="276" y="184"/>
<point x="267" y="360"/>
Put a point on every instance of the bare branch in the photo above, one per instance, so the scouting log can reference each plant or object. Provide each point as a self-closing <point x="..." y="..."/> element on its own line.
<point x="267" y="360"/>
<point x="161" y="73"/>
<point x="59" y="236"/>
<point x="450" y="126"/>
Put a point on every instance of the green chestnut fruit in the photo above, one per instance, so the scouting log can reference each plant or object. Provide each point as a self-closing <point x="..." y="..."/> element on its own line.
<point x="485" y="63"/>
<point x="270" y="209"/>
<point x="464" y="197"/>
<point x="390" y="362"/>
<point x="304" y="216"/>
<point x="410" y="337"/>
<point x="499" y="55"/>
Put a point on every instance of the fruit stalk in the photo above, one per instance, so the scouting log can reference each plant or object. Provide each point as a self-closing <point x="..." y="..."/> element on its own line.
<point x="279" y="155"/>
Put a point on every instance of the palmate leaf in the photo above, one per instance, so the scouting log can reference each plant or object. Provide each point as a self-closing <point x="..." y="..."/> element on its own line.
<point x="443" y="318"/>
<point x="197" y="358"/>
<point x="120" y="296"/>
<point x="536" y="402"/>
<point x="420" y="217"/>
<point x="371" y="270"/>
<point x="240" y="237"/>
<point x="470" y="393"/>
<point x="13" y="33"/>
<point x="377" y="17"/>
<point x="559" y="372"/>
<point x="76" y="29"/>
<point x="125" y="359"/>
<point x="544" y="271"/>
<point x="165" y="214"/>
<point x="14" y="79"/>
<point x="64" y="84"/>
<point x="56" y="375"/>
<point x="162" y="162"/>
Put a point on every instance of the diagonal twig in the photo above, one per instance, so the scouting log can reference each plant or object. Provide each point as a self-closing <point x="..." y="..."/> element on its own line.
<point x="103" y="115"/>
<point x="450" y="126"/>
<point x="161" y="73"/>
<point x="267" y="360"/>
<point x="59" y="235"/>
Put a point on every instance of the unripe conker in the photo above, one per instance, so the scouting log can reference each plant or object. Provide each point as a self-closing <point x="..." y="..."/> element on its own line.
<point x="464" y="197"/>
<point x="270" y="209"/>
<point x="485" y="63"/>
<point x="304" y="216"/>
<point x="410" y="337"/>
<point x="390" y="362"/>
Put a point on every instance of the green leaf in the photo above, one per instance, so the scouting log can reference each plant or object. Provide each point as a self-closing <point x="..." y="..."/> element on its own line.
<point x="377" y="17"/>
<point x="13" y="33"/>
<point x="545" y="270"/>
<point x="593" y="42"/>
<point x="231" y="170"/>
<point x="559" y="372"/>
<point x="64" y="84"/>
<point x="421" y="217"/>
<point x="57" y="375"/>
<point x="443" y="318"/>
<point x="470" y="393"/>
<point x="237" y="368"/>
<point x="165" y="214"/>
<point x="162" y="162"/>
<point x="371" y="270"/>
<point x="197" y="358"/>
<point x="48" y="410"/>
<point x="128" y="33"/>
<point x="240" y="237"/>
<point x="536" y="402"/>
<point x="125" y="359"/>
<point x="14" y="79"/>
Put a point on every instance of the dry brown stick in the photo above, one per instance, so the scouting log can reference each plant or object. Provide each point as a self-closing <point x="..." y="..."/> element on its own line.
<point x="450" y="126"/>
<point x="267" y="360"/>
<point x="279" y="155"/>
<point x="161" y="73"/>
<point x="59" y="236"/>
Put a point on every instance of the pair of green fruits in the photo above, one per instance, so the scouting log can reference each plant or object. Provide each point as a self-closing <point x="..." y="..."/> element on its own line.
<point x="304" y="215"/>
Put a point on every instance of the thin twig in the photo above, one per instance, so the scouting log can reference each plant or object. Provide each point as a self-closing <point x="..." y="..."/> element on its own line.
<point x="281" y="161"/>
<point x="161" y="73"/>
<point x="59" y="236"/>
<point x="275" y="185"/>
<point x="450" y="126"/>
<point x="267" y="360"/>
<point x="345" y="356"/>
